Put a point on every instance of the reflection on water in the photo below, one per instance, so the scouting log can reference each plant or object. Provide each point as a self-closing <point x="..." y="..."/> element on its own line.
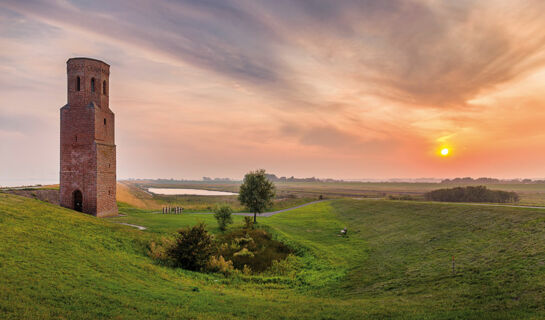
<point x="197" y="192"/>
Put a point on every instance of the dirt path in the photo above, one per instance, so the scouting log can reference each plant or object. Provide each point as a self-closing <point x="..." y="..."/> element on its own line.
<point x="131" y="225"/>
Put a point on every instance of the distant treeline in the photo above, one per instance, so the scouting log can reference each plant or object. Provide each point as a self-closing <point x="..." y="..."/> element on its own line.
<point x="216" y="179"/>
<point x="472" y="194"/>
<point x="273" y="177"/>
<point x="469" y="180"/>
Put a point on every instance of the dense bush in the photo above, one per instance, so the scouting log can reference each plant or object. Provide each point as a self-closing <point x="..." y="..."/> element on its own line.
<point x="192" y="248"/>
<point x="252" y="249"/>
<point x="220" y="265"/>
<point x="472" y="194"/>
<point x="223" y="216"/>
<point x="243" y="250"/>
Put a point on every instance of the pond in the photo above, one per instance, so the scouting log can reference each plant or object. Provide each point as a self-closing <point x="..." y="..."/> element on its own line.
<point x="196" y="192"/>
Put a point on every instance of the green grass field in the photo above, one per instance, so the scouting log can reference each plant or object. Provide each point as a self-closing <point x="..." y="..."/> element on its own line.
<point x="396" y="263"/>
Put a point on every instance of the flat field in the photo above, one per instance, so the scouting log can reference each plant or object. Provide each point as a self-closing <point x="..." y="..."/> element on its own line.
<point x="137" y="196"/>
<point x="396" y="263"/>
<point x="530" y="193"/>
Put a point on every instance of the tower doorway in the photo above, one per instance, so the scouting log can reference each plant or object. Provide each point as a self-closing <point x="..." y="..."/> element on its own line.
<point x="78" y="201"/>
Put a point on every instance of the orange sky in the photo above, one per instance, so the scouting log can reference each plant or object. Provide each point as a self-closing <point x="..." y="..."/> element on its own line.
<point x="343" y="89"/>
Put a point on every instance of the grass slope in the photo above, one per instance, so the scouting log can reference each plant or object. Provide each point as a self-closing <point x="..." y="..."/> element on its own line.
<point x="396" y="263"/>
<point x="56" y="263"/>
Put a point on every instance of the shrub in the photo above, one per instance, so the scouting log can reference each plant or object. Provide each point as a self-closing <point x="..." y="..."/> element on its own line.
<point x="285" y="267"/>
<point x="223" y="216"/>
<point x="472" y="194"/>
<point x="254" y="248"/>
<point x="220" y="265"/>
<point x="159" y="251"/>
<point x="192" y="248"/>
<point x="247" y="270"/>
<point x="244" y="253"/>
<point x="248" y="223"/>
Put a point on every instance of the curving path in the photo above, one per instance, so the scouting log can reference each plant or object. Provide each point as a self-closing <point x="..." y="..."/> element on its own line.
<point x="264" y="214"/>
<point x="131" y="225"/>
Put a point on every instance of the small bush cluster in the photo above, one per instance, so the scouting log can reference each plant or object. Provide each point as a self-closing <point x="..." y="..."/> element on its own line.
<point x="472" y="194"/>
<point x="220" y="265"/>
<point x="245" y="250"/>
<point x="253" y="248"/>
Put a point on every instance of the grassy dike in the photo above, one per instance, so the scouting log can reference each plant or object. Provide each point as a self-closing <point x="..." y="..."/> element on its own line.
<point x="396" y="263"/>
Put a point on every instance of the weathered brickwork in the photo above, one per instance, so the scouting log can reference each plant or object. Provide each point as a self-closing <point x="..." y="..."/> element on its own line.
<point x="88" y="166"/>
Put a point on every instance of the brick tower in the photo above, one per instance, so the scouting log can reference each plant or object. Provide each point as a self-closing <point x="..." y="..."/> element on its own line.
<point x="87" y="168"/>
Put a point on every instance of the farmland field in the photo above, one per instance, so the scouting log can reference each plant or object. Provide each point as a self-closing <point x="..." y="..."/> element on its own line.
<point x="530" y="193"/>
<point x="395" y="263"/>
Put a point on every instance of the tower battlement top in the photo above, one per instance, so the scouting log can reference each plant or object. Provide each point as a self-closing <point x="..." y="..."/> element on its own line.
<point x="85" y="58"/>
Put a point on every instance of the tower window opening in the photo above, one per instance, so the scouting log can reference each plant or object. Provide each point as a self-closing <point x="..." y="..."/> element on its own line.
<point x="78" y="84"/>
<point x="104" y="87"/>
<point x="104" y="121"/>
<point x="92" y="84"/>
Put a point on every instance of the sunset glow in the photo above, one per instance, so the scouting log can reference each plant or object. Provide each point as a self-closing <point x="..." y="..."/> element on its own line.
<point x="343" y="89"/>
<point x="444" y="152"/>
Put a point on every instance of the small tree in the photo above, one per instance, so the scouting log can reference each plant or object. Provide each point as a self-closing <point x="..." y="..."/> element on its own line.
<point x="193" y="248"/>
<point x="248" y="223"/>
<point x="256" y="192"/>
<point x="223" y="215"/>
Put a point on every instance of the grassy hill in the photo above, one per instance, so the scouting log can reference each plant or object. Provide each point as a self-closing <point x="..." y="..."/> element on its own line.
<point x="396" y="263"/>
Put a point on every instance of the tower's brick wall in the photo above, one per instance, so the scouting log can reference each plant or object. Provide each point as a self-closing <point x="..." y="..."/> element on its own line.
<point x="88" y="153"/>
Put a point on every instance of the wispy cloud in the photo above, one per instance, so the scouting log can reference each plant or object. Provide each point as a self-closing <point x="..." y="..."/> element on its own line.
<point x="363" y="81"/>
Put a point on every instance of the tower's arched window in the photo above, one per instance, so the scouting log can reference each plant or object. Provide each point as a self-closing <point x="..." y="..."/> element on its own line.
<point x="92" y="84"/>
<point x="78" y="84"/>
<point x="104" y="87"/>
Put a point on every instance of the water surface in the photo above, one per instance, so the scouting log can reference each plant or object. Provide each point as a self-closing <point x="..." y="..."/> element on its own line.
<point x="196" y="192"/>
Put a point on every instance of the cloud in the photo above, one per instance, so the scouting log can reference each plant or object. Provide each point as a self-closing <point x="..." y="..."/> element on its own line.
<point x="424" y="54"/>
<point x="211" y="35"/>
<point x="284" y="82"/>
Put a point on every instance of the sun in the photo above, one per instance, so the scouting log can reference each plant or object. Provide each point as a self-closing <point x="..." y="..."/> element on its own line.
<point x="444" y="152"/>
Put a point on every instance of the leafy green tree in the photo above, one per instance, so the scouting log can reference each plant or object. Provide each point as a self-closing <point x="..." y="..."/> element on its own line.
<point x="223" y="215"/>
<point x="256" y="192"/>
